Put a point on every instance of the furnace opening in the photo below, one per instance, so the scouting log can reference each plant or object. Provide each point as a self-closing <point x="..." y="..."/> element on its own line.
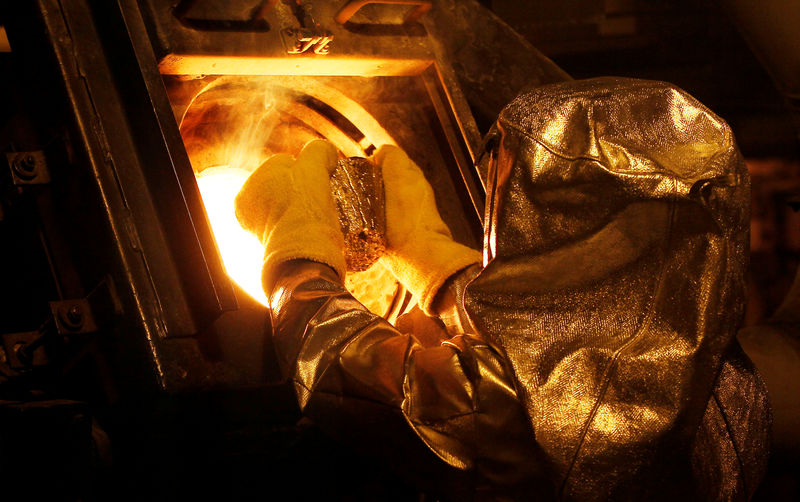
<point x="232" y="124"/>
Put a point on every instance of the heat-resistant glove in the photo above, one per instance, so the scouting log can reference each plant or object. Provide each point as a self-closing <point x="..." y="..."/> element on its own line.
<point x="287" y="204"/>
<point x="420" y="250"/>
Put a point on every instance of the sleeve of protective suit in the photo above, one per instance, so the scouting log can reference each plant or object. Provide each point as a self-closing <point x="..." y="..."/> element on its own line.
<point x="432" y="411"/>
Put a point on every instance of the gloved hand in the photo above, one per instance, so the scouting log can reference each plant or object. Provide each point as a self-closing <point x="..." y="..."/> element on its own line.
<point x="420" y="250"/>
<point x="287" y="204"/>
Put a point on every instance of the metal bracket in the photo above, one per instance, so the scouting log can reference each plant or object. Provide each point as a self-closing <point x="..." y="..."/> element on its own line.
<point x="28" y="348"/>
<point x="353" y="6"/>
<point x="68" y="317"/>
<point x="86" y="315"/>
<point x="73" y="316"/>
<point x="28" y="168"/>
<point x="18" y="350"/>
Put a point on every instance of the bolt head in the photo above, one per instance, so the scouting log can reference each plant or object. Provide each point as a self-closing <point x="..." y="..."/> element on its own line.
<point x="22" y="355"/>
<point x="24" y="166"/>
<point x="72" y="316"/>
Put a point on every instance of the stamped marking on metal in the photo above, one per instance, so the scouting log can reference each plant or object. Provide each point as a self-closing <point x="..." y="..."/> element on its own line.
<point x="299" y="41"/>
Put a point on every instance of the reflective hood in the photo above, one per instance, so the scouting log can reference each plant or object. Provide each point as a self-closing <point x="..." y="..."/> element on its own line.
<point x="615" y="251"/>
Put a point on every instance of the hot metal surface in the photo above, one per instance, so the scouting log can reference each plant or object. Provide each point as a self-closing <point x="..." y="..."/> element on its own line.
<point x="357" y="188"/>
<point x="603" y="364"/>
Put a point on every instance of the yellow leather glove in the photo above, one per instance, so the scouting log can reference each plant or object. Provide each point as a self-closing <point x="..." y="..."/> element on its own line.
<point x="420" y="250"/>
<point x="287" y="204"/>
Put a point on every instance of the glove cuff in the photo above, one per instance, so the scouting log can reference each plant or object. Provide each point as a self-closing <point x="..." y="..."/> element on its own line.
<point x="424" y="264"/>
<point x="325" y="246"/>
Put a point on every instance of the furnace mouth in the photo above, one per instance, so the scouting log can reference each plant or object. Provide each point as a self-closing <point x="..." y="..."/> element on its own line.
<point x="241" y="121"/>
<point x="233" y="124"/>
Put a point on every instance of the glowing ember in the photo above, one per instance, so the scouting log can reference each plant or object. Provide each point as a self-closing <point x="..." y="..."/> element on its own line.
<point x="241" y="252"/>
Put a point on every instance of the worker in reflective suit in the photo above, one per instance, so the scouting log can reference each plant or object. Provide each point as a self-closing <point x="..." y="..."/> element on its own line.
<point x="592" y="351"/>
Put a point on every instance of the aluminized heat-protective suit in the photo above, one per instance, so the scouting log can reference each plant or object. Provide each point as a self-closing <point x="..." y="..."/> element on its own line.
<point x="593" y="356"/>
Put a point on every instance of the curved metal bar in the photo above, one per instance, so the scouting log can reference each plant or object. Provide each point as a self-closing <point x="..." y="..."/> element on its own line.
<point x="354" y="6"/>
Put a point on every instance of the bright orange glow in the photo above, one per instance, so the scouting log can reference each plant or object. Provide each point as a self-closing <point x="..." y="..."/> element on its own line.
<point x="236" y="124"/>
<point x="241" y="252"/>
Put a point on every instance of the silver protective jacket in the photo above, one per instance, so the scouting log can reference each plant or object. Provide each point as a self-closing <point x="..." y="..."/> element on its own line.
<point x="593" y="356"/>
